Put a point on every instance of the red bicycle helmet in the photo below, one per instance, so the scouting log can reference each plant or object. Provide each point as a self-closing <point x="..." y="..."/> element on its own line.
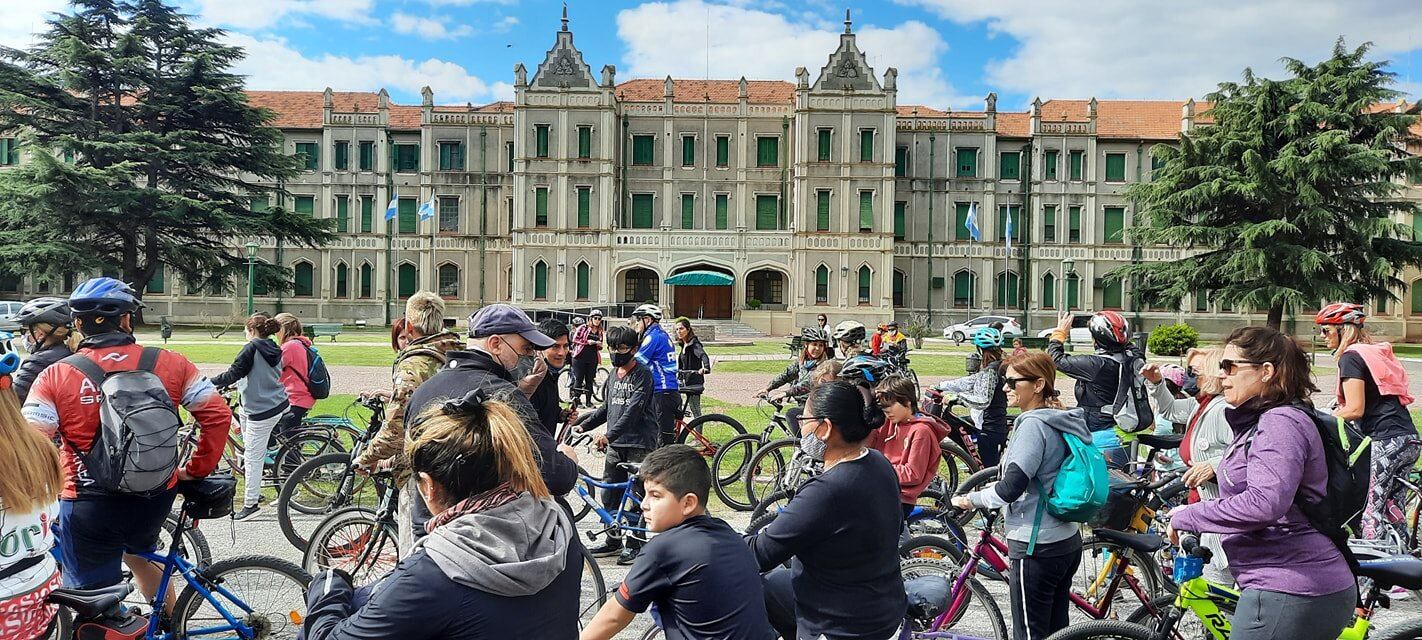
<point x="1341" y="313"/>
<point x="1110" y="329"/>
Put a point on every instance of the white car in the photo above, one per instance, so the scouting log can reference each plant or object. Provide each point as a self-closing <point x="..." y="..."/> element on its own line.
<point x="958" y="333"/>
<point x="1080" y="334"/>
<point x="8" y="310"/>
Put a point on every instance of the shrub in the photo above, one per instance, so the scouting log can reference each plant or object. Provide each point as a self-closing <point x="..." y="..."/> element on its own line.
<point x="917" y="329"/>
<point x="753" y="303"/>
<point x="1173" y="340"/>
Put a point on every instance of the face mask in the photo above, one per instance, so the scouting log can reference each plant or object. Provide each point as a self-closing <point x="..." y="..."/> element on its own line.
<point x="1191" y="386"/>
<point x="621" y="359"/>
<point x="31" y="345"/>
<point x="812" y="445"/>
<point x="524" y="367"/>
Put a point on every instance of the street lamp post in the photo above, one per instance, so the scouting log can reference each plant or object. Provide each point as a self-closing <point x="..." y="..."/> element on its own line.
<point x="1067" y="267"/>
<point x="251" y="273"/>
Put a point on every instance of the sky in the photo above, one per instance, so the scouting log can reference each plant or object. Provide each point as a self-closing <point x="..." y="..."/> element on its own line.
<point x="949" y="53"/>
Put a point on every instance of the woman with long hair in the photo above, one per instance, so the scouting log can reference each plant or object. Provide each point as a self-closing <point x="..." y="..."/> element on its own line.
<point x="501" y="559"/>
<point x="1295" y="582"/>
<point x="30" y="481"/>
<point x="257" y="374"/>
<point x="814" y="351"/>
<point x="692" y="363"/>
<point x="1044" y="551"/>
<point x="295" y="369"/>
<point x="984" y="396"/>
<point x="586" y="350"/>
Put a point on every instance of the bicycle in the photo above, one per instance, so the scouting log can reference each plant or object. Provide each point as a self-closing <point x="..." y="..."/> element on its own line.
<point x="738" y="452"/>
<point x="285" y="451"/>
<point x="1213" y="604"/>
<point x="705" y="431"/>
<point x="329" y="481"/>
<point x="598" y="384"/>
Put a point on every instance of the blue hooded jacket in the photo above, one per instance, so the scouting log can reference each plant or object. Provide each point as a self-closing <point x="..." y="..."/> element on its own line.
<point x="658" y="355"/>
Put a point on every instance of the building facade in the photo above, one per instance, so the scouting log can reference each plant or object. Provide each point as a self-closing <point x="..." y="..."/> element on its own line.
<point x="819" y="196"/>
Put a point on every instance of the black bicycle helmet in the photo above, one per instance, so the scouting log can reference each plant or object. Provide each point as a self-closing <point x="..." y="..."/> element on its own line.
<point x="209" y="498"/>
<point x="47" y="310"/>
<point x="813" y="334"/>
<point x="865" y="369"/>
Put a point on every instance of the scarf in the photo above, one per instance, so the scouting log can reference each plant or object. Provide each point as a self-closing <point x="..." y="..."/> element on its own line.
<point x="496" y="497"/>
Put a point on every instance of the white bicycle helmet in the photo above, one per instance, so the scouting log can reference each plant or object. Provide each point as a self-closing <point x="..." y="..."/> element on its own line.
<point x="849" y="331"/>
<point x="648" y="310"/>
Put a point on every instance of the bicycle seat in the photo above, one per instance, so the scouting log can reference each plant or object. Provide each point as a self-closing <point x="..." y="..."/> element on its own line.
<point x="630" y="467"/>
<point x="1394" y="571"/>
<point x="92" y="603"/>
<point x="1168" y="441"/>
<point x="692" y="390"/>
<point x="1143" y="542"/>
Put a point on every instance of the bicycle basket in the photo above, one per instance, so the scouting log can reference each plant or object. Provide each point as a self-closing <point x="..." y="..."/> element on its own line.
<point x="1126" y="498"/>
<point x="210" y="497"/>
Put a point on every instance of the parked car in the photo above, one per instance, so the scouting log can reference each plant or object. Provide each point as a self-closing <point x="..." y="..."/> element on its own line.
<point x="1079" y="333"/>
<point x="958" y="333"/>
<point x="8" y="310"/>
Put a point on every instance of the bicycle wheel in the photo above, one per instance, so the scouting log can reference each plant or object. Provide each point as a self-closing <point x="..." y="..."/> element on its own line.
<point x="594" y="589"/>
<point x="1189" y="626"/>
<point x="272" y="590"/>
<point x="728" y="467"/>
<point x="317" y="487"/>
<point x="599" y="380"/>
<point x="956" y="465"/>
<point x="655" y="633"/>
<point x="354" y="540"/>
<point x="766" y="471"/>
<point x="933" y="547"/>
<point x="194" y="546"/>
<point x="578" y="506"/>
<point x="715" y="428"/>
<point x="1099" y="558"/>
<point x="976" y="617"/>
<point x="1410" y="629"/>
<point x="1103" y="630"/>
<point x="300" y="447"/>
<point x="774" y="501"/>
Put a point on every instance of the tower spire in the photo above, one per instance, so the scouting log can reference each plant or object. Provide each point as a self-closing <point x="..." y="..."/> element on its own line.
<point x="565" y="16"/>
<point x="848" y="23"/>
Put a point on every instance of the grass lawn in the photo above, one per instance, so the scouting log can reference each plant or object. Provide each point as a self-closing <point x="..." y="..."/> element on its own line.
<point x="224" y="353"/>
<point x="923" y="365"/>
<point x="1407" y="350"/>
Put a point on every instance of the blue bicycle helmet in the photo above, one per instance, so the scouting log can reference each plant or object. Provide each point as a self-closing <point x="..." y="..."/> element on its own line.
<point x="103" y="297"/>
<point x="988" y="338"/>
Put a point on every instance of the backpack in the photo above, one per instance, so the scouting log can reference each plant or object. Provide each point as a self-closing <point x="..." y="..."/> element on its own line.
<point x="135" y="450"/>
<point x="1081" y="488"/>
<point x="1348" y="455"/>
<point x="318" y="379"/>
<point x="1131" y="409"/>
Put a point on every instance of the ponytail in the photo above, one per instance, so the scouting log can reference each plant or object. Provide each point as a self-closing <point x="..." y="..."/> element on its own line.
<point x="474" y="444"/>
<point x="263" y="325"/>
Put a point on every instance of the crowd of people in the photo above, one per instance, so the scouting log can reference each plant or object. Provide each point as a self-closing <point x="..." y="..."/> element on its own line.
<point x="490" y="549"/>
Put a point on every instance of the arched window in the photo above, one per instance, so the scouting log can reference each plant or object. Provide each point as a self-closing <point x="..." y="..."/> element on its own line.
<point x="640" y="285"/>
<point x="449" y="280"/>
<point x="343" y="289"/>
<point x="584" y="276"/>
<point x="367" y="280"/>
<point x="866" y="277"/>
<point x="964" y="286"/>
<point x="409" y="276"/>
<point x="304" y="285"/>
<point x="822" y="285"/>
<point x="1049" y="291"/>
<point x="540" y="281"/>
<point x="898" y="288"/>
<point x="1007" y="292"/>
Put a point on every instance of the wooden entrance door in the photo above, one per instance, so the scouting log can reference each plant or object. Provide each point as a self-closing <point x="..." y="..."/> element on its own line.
<point x="703" y="302"/>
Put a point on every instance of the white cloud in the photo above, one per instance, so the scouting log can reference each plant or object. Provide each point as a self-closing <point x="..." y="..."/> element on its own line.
<point x="504" y="24"/>
<point x="1133" y="49"/>
<point x="20" y="21"/>
<point x="429" y="28"/>
<point x="465" y="3"/>
<point x="273" y="64"/>
<point x="260" y="14"/>
<point x="671" y="38"/>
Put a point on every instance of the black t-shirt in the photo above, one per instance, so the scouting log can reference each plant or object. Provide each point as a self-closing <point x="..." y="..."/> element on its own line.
<point x="704" y="581"/>
<point x="1384" y="416"/>
<point x="995" y="415"/>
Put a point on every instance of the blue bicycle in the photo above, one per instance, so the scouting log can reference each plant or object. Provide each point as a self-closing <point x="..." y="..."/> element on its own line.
<point x="272" y="604"/>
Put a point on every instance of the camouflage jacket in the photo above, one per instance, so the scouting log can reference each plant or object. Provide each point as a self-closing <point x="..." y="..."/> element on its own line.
<point x="417" y="362"/>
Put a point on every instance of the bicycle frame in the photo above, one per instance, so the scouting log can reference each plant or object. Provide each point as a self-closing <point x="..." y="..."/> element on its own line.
<point x="173" y="562"/>
<point x="612" y="520"/>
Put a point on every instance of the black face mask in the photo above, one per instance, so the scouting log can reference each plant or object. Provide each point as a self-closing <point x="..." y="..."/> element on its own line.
<point x="621" y="359"/>
<point x="1192" y="385"/>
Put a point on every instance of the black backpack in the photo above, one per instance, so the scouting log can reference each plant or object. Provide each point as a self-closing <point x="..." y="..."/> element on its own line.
<point x="135" y="448"/>
<point x="318" y="379"/>
<point x="1131" y="408"/>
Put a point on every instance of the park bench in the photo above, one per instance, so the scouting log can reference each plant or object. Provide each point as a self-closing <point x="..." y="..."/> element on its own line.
<point x="317" y="330"/>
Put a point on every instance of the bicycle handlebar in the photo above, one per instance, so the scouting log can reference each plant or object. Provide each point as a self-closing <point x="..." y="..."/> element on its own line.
<point x="1190" y="545"/>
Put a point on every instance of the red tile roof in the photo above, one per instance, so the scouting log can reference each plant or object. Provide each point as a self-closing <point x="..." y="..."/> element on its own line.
<point x="1015" y="125"/>
<point x="911" y="110"/>
<point x="722" y="91"/>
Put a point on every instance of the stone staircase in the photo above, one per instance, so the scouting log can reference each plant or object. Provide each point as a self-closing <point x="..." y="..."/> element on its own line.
<point x="725" y="330"/>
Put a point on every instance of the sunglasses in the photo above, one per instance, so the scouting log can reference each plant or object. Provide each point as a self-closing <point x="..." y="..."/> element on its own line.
<point x="804" y="419"/>
<point x="1228" y="367"/>
<point x="1324" y="332"/>
<point x="1012" y="382"/>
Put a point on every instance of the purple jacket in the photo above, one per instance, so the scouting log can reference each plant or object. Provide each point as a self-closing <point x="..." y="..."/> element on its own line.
<point x="1267" y="538"/>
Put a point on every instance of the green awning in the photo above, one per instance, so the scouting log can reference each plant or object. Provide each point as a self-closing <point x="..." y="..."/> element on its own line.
<point x="700" y="279"/>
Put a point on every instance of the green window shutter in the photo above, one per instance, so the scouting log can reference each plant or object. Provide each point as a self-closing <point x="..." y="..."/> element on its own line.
<point x="408" y="277"/>
<point x="1002" y="213"/>
<point x="8" y="151"/>
<point x="901" y="162"/>
<point x="259" y="288"/>
<point x="866" y="145"/>
<point x="407" y="158"/>
<point x="1073" y="292"/>
<point x="405" y="212"/>
<point x="310" y="154"/>
<point x="642" y="211"/>
<point x="1156" y="163"/>
<point x="367" y="156"/>
<point x="343" y="155"/>
<point x="960" y="222"/>
<point x="1074" y="225"/>
<point x="642" y="150"/>
<point x="767" y="213"/>
<point x="306" y="205"/>
<point x="824" y="145"/>
<point x="1007" y="294"/>
<point x="1049" y="291"/>
<point x="723" y="151"/>
<point x="822" y="284"/>
<point x="688" y="151"/>
<point x="451" y="156"/>
<point x="1115" y="225"/>
<point x="584" y="207"/>
<point x="1009" y="166"/>
<point x="898" y="288"/>
<point x="367" y="280"/>
<point x="967" y="163"/>
<point x="1417" y="227"/>
<point x="866" y="210"/>
<point x="1075" y="159"/>
<point x="304" y="286"/>
<point x="343" y="274"/>
<point x="1380" y="305"/>
<point x="722" y="211"/>
<point x="540" y="207"/>
<point x="1111" y="295"/>
<point x="367" y="214"/>
<point x="540" y="281"/>
<point x="1202" y="300"/>
<point x="688" y="211"/>
<point x="584" y="142"/>
<point x="1049" y="223"/>
<point x="767" y="152"/>
<point x="962" y="289"/>
<point x="156" y="284"/>
<point x="1416" y="298"/>
<point x="540" y="143"/>
<point x="1049" y="165"/>
<point x="1115" y="167"/>
<point x="583" y="273"/>
<point x="865" y="279"/>
<point x="509" y="151"/>
<point x="822" y="211"/>
<point x="343" y="214"/>
<point x="900" y="213"/>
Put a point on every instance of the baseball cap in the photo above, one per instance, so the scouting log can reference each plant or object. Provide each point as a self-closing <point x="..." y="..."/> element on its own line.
<point x="502" y="319"/>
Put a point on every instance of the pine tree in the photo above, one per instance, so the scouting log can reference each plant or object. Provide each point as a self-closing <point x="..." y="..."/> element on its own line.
<point x="140" y="150"/>
<point x="1287" y="199"/>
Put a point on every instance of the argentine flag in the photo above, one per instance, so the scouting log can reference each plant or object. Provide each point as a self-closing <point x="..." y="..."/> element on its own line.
<point x="392" y="210"/>
<point x="1008" y="230"/>
<point x="427" y="210"/>
<point x="971" y="223"/>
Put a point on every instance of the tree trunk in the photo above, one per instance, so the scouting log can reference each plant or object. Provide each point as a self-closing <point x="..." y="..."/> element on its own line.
<point x="1276" y="316"/>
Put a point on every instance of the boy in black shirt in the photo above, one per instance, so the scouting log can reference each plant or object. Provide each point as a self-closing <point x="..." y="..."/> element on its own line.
<point x="697" y="572"/>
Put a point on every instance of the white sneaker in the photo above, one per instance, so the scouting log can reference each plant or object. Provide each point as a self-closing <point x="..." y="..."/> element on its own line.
<point x="1398" y="593"/>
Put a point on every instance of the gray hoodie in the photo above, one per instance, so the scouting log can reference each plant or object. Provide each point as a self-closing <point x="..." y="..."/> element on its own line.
<point x="512" y="550"/>
<point x="1034" y="456"/>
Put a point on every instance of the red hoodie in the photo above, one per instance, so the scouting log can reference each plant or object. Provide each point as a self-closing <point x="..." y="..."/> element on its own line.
<point x="913" y="450"/>
<point x="295" y="364"/>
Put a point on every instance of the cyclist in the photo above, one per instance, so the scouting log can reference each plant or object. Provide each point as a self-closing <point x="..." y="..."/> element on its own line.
<point x="1098" y="376"/>
<point x="587" y="354"/>
<point x="257" y="374"/>
<point x="501" y="559"/>
<point x="1296" y="583"/>
<point x="97" y="526"/>
<point x="659" y="356"/>
<point x="815" y="343"/>
<point x="295" y="369"/>
<point x="632" y="431"/>
<point x="1373" y="392"/>
<point x="983" y="394"/>
<point x="909" y="439"/>
<point x="888" y="340"/>
<point x="1044" y="551"/>
<point x="30" y="480"/>
<point x="848" y="339"/>
<point x="49" y="338"/>
<point x="692" y="363"/>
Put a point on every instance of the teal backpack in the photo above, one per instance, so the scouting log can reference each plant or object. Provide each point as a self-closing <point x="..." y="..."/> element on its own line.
<point x="1080" y="489"/>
